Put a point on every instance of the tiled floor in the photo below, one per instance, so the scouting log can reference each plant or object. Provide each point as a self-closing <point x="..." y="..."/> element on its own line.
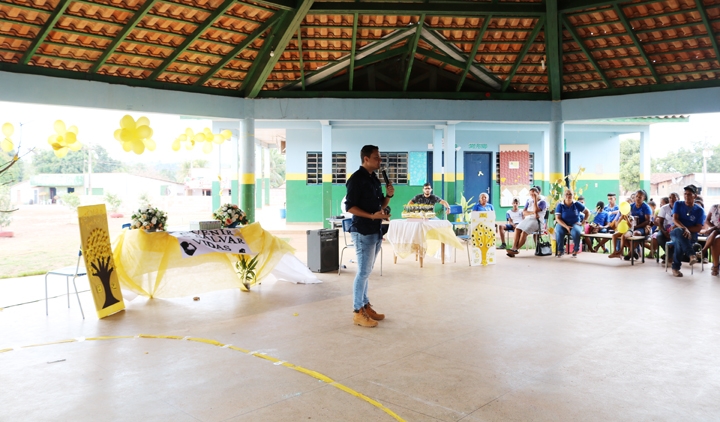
<point x="527" y="339"/>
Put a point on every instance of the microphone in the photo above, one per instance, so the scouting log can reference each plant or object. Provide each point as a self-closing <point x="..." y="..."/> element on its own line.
<point x="385" y="176"/>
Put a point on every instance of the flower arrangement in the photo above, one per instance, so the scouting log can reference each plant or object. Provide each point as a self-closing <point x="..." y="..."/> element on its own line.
<point x="149" y="219"/>
<point x="230" y="215"/>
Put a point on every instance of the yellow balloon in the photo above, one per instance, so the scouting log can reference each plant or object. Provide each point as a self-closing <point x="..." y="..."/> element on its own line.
<point x="208" y="133"/>
<point x="8" y="129"/>
<point x="218" y="139"/>
<point x="61" y="152"/>
<point x="143" y="121"/>
<point x="70" y="138"/>
<point x="138" y="147"/>
<point x="125" y="135"/>
<point x="207" y="147"/>
<point x="189" y="133"/>
<point x="623" y="227"/>
<point x="117" y="133"/>
<point x="624" y="208"/>
<point x="127" y="122"/>
<point x="149" y="144"/>
<point x="199" y="137"/>
<point x="75" y="147"/>
<point x="182" y="138"/>
<point x="127" y="146"/>
<point x="176" y="145"/>
<point x="73" y="129"/>
<point x="59" y="127"/>
<point x="226" y="134"/>
<point x="144" y="131"/>
<point x="51" y="139"/>
<point x="6" y="145"/>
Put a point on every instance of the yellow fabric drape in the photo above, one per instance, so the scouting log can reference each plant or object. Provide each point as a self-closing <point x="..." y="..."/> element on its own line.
<point x="441" y="235"/>
<point x="151" y="264"/>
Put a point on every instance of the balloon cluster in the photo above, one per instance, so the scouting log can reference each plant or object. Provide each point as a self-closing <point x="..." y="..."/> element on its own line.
<point x="206" y="138"/>
<point x="7" y="144"/>
<point x="623" y="226"/>
<point x="135" y="135"/>
<point x="64" y="139"/>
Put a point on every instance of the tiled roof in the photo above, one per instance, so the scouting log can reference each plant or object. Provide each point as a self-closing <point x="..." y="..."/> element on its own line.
<point x="426" y="49"/>
<point x="656" y="178"/>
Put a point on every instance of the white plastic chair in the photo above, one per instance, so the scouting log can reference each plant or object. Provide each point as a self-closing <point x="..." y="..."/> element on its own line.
<point x="67" y="272"/>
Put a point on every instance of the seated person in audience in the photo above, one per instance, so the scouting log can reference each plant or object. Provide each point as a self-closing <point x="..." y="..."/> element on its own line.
<point x="581" y="199"/>
<point x="483" y="204"/>
<point x="514" y="217"/>
<point x="598" y="225"/>
<point x="711" y="229"/>
<point x="689" y="218"/>
<point x="427" y="198"/>
<point x="664" y="223"/>
<point x="535" y="214"/>
<point x="612" y="209"/>
<point x="570" y="216"/>
<point x="639" y="223"/>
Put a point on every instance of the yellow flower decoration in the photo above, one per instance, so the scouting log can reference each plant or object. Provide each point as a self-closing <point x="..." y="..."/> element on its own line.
<point x="135" y="135"/>
<point x="205" y="138"/>
<point x="64" y="139"/>
<point x="7" y="144"/>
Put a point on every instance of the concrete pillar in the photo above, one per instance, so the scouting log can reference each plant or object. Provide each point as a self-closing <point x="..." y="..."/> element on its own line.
<point x="645" y="170"/>
<point x="258" y="176"/>
<point x="326" y="173"/>
<point x="437" y="170"/>
<point x="266" y="173"/>
<point x="247" y="167"/>
<point x="556" y="146"/>
<point x="450" y="193"/>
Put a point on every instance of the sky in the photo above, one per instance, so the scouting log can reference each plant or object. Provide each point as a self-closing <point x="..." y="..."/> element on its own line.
<point x="97" y="126"/>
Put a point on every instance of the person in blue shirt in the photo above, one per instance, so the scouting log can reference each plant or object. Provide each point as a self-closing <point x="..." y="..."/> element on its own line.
<point x="483" y="204"/>
<point x="570" y="216"/>
<point x="598" y="225"/>
<point x="612" y="209"/>
<point x="688" y="218"/>
<point x="639" y="220"/>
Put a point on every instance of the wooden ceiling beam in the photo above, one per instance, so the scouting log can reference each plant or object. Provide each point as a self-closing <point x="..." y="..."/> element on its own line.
<point x="635" y="40"/>
<point x="434" y="9"/>
<point x="522" y="53"/>
<point x="585" y="50"/>
<point x="473" y="53"/>
<point x="45" y="30"/>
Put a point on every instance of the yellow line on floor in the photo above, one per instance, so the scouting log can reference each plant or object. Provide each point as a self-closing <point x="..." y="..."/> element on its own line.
<point x="211" y="342"/>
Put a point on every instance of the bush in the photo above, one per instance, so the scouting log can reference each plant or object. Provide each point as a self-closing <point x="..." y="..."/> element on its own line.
<point x="113" y="201"/>
<point x="71" y="201"/>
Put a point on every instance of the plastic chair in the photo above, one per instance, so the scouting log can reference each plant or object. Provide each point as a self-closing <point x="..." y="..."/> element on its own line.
<point x="457" y="210"/>
<point x="346" y="223"/>
<point x="67" y="272"/>
<point x="126" y="226"/>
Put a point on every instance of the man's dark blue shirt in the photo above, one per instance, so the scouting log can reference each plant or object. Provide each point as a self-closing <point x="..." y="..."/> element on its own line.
<point x="365" y="192"/>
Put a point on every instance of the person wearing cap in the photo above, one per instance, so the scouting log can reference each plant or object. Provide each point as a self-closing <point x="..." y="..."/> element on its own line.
<point x="688" y="218"/>
<point x="513" y="217"/>
<point x="534" y="213"/>
<point x="427" y="198"/>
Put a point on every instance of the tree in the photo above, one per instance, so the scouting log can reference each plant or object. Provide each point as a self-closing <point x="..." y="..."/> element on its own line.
<point x="277" y="168"/>
<point x="45" y="161"/>
<point x="689" y="160"/>
<point x="630" y="164"/>
<point x="187" y="165"/>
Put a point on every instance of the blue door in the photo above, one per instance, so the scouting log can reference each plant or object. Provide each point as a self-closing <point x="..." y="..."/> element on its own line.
<point x="478" y="175"/>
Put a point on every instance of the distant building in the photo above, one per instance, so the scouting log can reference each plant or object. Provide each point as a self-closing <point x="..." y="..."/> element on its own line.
<point x="675" y="182"/>
<point x="48" y="188"/>
<point x="660" y="184"/>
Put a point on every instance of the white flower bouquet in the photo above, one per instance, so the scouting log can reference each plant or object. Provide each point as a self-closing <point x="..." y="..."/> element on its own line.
<point x="230" y="215"/>
<point x="149" y="218"/>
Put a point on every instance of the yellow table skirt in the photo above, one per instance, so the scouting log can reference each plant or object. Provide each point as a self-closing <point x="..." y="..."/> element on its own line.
<point x="151" y="264"/>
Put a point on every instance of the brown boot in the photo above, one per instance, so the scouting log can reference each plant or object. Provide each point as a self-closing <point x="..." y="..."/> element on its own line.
<point x="372" y="314"/>
<point x="362" y="319"/>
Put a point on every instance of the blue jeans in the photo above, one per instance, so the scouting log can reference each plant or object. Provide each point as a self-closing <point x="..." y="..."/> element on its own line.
<point x="367" y="248"/>
<point x="561" y="232"/>
<point x="682" y="246"/>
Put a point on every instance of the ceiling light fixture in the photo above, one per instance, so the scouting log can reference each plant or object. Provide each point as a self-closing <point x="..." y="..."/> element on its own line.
<point x="542" y="64"/>
<point x="272" y="53"/>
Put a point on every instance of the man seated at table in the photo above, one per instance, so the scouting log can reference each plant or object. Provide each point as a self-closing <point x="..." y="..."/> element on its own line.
<point x="513" y="217"/>
<point x="535" y="212"/>
<point x="688" y="218"/>
<point x="483" y="204"/>
<point x="427" y="198"/>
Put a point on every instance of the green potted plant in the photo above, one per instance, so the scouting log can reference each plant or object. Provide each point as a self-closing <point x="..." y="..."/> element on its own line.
<point x="464" y="217"/>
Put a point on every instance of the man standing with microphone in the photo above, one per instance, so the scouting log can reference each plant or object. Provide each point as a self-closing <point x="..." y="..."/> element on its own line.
<point x="366" y="202"/>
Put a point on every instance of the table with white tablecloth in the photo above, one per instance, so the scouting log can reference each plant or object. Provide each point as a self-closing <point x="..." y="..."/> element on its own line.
<point x="421" y="237"/>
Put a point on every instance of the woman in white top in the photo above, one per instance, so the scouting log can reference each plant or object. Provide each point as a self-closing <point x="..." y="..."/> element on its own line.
<point x="712" y="226"/>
